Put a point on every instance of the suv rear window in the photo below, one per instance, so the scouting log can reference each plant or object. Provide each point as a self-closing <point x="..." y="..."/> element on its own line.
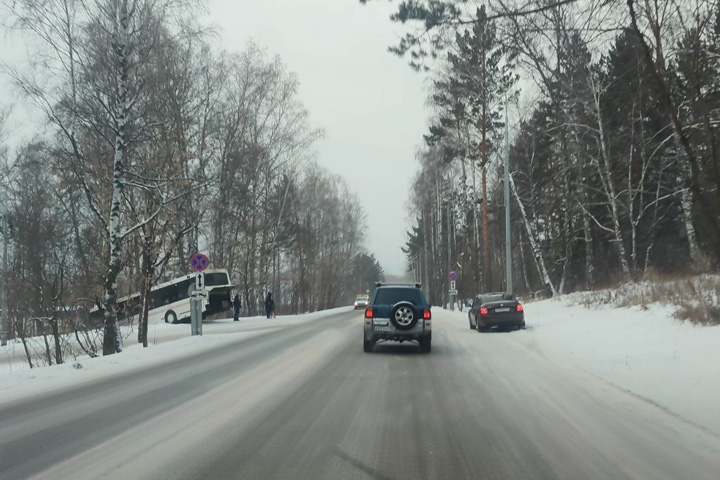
<point x="390" y="296"/>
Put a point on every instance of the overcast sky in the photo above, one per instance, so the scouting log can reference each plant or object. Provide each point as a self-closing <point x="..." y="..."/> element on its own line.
<point x="368" y="101"/>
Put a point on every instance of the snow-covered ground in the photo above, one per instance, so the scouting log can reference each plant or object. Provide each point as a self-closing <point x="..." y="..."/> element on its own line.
<point x="673" y="364"/>
<point x="643" y="351"/>
<point x="166" y="343"/>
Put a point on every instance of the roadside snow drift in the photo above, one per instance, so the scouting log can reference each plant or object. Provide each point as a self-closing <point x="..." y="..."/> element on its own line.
<point x="673" y="364"/>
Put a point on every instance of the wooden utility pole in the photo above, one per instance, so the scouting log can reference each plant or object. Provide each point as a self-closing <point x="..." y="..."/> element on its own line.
<point x="487" y="271"/>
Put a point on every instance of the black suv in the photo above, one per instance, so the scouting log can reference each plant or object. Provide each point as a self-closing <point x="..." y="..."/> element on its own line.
<point x="397" y="313"/>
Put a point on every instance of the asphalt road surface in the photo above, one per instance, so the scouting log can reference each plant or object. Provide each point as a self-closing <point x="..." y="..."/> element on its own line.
<point x="304" y="402"/>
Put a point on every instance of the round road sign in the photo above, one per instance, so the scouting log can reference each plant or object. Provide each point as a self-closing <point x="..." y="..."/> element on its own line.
<point x="452" y="276"/>
<point x="199" y="262"/>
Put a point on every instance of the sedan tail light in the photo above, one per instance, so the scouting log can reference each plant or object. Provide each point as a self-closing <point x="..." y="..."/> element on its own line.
<point x="484" y="311"/>
<point x="368" y="312"/>
<point x="519" y="307"/>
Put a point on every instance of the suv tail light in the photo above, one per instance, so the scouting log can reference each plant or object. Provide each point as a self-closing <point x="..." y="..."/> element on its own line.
<point x="426" y="314"/>
<point x="484" y="311"/>
<point x="368" y="312"/>
<point x="519" y="307"/>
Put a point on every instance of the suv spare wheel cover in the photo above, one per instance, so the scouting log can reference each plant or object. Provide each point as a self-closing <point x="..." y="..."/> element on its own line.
<point x="403" y="316"/>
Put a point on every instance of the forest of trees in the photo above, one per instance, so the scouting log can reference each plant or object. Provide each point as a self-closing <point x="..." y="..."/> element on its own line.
<point x="614" y="141"/>
<point x="157" y="147"/>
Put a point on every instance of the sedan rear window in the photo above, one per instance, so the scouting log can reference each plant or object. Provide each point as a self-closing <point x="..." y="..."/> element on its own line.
<point x="492" y="298"/>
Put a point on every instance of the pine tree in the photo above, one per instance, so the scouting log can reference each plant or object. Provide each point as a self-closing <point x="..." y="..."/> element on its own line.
<point x="471" y="95"/>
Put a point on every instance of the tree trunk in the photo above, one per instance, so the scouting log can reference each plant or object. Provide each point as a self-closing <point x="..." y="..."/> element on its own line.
<point x="589" y="253"/>
<point x="56" y="338"/>
<point x="20" y="330"/>
<point x="532" y="237"/>
<point x="112" y="340"/>
<point x="48" y="350"/>
<point x="487" y="268"/>
<point x="426" y="252"/>
<point x="656" y="209"/>
<point x="605" y="173"/>
<point x="694" y="249"/>
<point x="523" y="264"/>
<point x="148" y="273"/>
<point x="567" y="252"/>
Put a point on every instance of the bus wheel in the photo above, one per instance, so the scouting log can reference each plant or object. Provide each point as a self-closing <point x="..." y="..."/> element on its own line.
<point x="170" y="317"/>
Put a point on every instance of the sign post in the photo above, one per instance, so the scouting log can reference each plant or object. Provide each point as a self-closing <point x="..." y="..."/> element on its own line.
<point x="198" y="293"/>
<point x="452" y="276"/>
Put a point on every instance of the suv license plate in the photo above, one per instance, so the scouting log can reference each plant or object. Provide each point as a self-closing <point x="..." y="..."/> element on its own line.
<point x="382" y="329"/>
<point x="504" y="309"/>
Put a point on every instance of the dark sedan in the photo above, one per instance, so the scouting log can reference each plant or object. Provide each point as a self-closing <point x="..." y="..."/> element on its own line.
<point x="496" y="310"/>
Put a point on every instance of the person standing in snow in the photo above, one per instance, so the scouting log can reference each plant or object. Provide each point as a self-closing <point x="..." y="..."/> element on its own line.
<point x="237" y="305"/>
<point x="269" y="305"/>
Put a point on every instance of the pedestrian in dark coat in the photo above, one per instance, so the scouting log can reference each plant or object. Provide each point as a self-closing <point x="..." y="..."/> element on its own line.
<point x="237" y="305"/>
<point x="269" y="305"/>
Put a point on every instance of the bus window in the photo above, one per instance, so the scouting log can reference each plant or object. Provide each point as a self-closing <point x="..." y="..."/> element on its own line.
<point x="161" y="296"/>
<point x="216" y="278"/>
<point x="183" y="289"/>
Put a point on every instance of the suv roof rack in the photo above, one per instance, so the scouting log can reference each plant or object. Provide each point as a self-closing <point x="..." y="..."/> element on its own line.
<point x="380" y="284"/>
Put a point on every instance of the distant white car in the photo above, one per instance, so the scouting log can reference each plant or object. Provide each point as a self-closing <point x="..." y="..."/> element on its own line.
<point x="361" y="301"/>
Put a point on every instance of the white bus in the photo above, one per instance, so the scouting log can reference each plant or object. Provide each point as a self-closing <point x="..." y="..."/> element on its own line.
<point x="170" y="301"/>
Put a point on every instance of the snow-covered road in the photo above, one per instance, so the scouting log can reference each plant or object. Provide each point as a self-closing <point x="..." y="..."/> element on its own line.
<point x="298" y="399"/>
